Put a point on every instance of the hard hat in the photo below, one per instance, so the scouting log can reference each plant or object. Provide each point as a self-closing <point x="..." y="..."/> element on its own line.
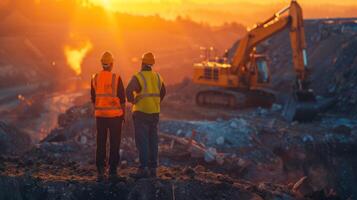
<point x="107" y="58"/>
<point x="148" y="58"/>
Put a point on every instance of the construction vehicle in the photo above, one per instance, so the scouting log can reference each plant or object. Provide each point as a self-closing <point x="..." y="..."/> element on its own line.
<point x="245" y="79"/>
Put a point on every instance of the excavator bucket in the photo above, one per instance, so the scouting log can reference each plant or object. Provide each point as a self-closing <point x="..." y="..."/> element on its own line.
<point x="301" y="106"/>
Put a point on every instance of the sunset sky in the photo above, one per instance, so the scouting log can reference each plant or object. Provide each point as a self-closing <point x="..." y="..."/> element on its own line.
<point x="78" y="31"/>
<point x="217" y="12"/>
<point x="345" y="2"/>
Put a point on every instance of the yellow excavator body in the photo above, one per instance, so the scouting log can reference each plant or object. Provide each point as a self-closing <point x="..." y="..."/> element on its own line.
<point x="255" y="75"/>
<point x="214" y="74"/>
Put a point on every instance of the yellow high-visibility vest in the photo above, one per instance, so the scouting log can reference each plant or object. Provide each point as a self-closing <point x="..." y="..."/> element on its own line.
<point x="148" y="99"/>
<point x="107" y="103"/>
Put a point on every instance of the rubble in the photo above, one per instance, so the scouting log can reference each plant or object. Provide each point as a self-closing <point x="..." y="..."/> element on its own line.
<point x="60" y="166"/>
<point x="194" y="156"/>
<point x="269" y="147"/>
<point x="342" y="129"/>
<point x="74" y="114"/>
<point x="234" y="132"/>
<point x="245" y="146"/>
<point x="276" y="107"/>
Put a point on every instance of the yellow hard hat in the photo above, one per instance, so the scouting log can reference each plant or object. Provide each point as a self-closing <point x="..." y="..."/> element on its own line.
<point x="148" y="58"/>
<point x="107" y="58"/>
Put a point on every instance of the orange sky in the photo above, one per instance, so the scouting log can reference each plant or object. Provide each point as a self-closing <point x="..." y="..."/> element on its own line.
<point x="217" y="12"/>
<point x="123" y="2"/>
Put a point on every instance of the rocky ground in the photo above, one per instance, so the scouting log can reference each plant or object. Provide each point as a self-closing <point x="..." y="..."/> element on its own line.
<point x="240" y="155"/>
<point x="55" y="179"/>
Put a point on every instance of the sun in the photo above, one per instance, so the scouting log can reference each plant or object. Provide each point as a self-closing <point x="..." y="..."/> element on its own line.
<point x="107" y="4"/>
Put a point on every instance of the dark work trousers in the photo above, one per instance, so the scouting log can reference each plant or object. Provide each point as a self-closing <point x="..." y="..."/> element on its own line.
<point x="146" y="138"/>
<point x="113" y="125"/>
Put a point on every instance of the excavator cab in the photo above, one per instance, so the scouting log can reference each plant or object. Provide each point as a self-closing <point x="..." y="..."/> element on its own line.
<point x="263" y="75"/>
<point x="256" y="73"/>
<point x="259" y="70"/>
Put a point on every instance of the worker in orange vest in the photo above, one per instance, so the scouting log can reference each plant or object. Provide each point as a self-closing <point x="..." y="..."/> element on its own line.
<point x="108" y="97"/>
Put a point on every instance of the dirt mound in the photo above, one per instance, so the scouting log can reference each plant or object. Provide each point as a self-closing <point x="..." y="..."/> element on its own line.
<point x="332" y="60"/>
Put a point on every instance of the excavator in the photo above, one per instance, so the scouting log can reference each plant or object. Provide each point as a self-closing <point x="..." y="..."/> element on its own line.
<point x="245" y="79"/>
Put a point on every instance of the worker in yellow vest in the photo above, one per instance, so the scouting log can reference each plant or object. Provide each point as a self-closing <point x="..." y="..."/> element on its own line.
<point x="108" y="97"/>
<point x="145" y="91"/>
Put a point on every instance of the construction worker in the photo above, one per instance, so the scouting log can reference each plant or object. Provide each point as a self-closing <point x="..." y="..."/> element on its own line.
<point x="108" y="97"/>
<point x="145" y="91"/>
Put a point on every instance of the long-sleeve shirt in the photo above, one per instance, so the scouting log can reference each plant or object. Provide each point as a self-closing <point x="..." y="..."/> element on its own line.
<point x="120" y="92"/>
<point x="134" y="85"/>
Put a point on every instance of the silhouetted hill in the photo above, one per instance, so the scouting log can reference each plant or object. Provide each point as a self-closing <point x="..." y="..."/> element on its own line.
<point x="38" y="33"/>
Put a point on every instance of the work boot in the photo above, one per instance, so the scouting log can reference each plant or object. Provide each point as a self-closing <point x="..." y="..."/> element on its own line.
<point x="100" y="174"/>
<point x="141" y="173"/>
<point x="152" y="172"/>
<point x="113" y="174"/>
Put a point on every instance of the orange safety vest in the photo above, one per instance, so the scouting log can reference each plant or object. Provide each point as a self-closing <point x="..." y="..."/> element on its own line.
<point x="107" y="102"/>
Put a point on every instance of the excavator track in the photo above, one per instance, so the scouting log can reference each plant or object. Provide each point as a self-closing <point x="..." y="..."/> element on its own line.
<point x="234" y="99"/>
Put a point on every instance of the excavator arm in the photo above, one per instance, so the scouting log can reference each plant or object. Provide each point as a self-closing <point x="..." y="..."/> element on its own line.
<point x="265" y="30"/>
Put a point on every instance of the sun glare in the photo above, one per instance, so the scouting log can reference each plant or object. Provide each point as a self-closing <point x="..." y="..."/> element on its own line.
<point x="106" y="4"/>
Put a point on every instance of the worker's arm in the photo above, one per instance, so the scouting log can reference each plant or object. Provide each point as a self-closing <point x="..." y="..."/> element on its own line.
<point x="92" y="92"/>
<point x="162" y="92"/>
<point x="121" y="93"/>
<point x="133" y="86"/>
